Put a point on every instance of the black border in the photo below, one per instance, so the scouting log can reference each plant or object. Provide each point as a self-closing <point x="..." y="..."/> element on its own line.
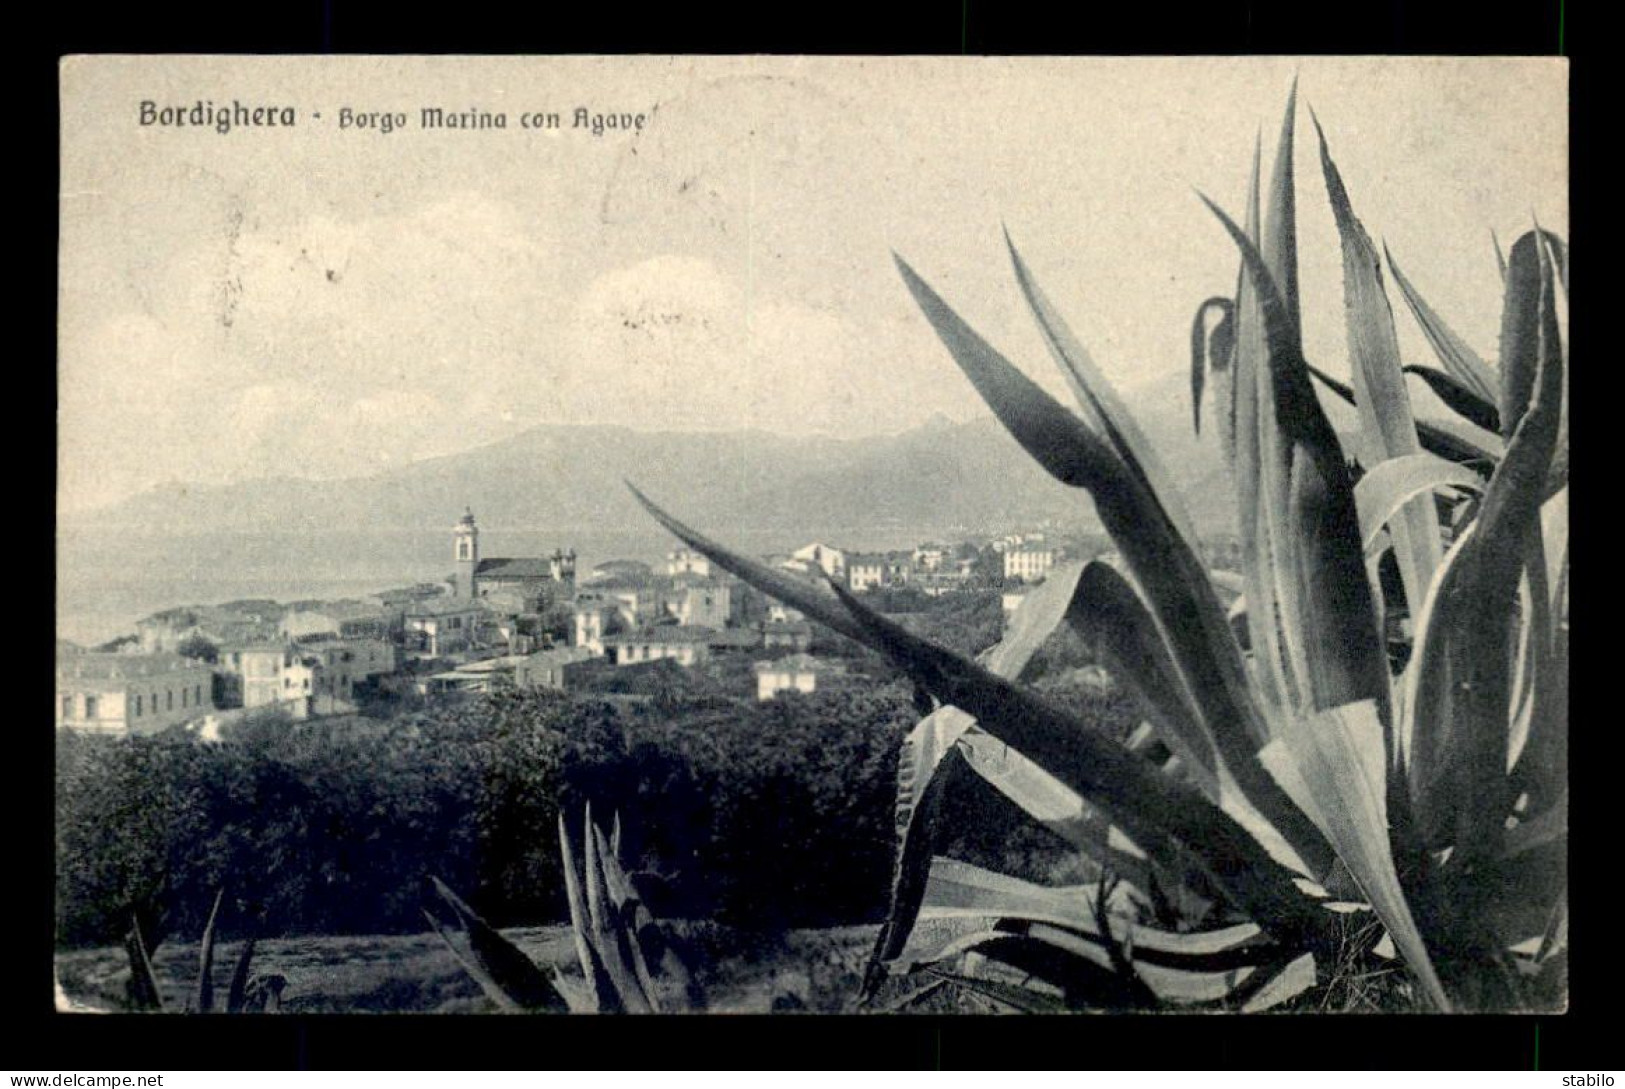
<point x="43" y="1040"/>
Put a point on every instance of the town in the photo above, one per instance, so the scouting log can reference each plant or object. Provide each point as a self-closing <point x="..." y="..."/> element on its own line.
<point x="500" y="623"/>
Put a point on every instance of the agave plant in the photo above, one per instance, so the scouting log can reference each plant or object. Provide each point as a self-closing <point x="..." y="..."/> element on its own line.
<point x="246" y="993"/>
<point x="627" y="961"/>
<point x="1305" y="777"/>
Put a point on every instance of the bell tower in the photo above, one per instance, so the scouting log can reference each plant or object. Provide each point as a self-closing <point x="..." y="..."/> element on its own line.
<point x="466" y="552"/>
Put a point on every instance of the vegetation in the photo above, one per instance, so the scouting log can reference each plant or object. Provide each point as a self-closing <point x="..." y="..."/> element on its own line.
<point x="1303" y="774"/>
<point x="331" y="826"/>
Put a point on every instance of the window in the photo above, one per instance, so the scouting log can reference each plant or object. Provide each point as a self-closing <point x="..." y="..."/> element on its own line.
<point x="137" y="706"/>
<point x="197" y="695"/>
<point x="90" y="706"/>
<point x="169" y="700"/>
<point x="67" y="707"/>
<point x="184" y="694"/>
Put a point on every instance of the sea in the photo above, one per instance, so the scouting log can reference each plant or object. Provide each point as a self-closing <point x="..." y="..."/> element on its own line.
<point x="107" y="580"/>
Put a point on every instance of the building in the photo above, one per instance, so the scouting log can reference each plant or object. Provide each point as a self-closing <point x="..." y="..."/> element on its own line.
<point x="278" y="675"/>
<point x="795" y="673"/>
<point x="555" y="669"/>
<point x="930" y="556"/>
<point x="1027" y="562"/>
<point x="633" y="570"/>
<point x="707" y="602"/>
<point x="779" y="612"/>
<point x="874" y="570"/>
<point x="831" y="560"/>
<point x="131" y="693"/>
<point x="485" y="675"/>
<point x="534" y="581"/>
<point x="599" y="614"/>
<point x="349" y="663"/>
<point x="795" y="634"/>
<point x="1011" y="600"/>
<point x="686" y="561"/>
<point x="338" y="619"/>
<point x="683" y="645"/>
<point x="441" y="626"/>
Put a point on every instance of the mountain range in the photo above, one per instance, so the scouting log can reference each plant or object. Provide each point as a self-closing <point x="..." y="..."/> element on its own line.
<point x="938" y="477"/>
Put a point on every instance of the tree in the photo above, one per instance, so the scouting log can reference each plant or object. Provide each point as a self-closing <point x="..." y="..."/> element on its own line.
<point x="198" y="646"/>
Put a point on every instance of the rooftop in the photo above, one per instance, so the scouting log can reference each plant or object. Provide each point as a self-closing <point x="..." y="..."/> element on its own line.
<point x="668" y="634"/>
<point x="794" y="663"/>
<point x="108" y="667"/>
<point x="444" y="606"/>
<point x="520" y="567"/>
<point x="560" y="656"/>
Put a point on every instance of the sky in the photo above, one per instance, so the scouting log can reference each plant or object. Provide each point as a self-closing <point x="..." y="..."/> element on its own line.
<point x="324" y="302"/>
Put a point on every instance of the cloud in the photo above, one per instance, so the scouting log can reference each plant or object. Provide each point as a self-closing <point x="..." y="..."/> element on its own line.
<point x="325" y="347"/>
<point x="675" y="342"/>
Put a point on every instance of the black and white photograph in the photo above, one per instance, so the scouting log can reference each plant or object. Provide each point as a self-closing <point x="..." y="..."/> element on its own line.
<point x="810" y="535"/>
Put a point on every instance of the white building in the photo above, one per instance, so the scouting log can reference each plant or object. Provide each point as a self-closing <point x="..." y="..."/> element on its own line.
<point x="684" y="645"/>
<point x="832" y="560"/>
<point x="1028" y="563"/>
<point x="794" y="673"/>
<point x="686" y="561"/>
<point x="131" y="693"/>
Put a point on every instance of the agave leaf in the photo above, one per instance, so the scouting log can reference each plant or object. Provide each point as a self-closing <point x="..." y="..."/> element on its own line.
<point x="1532" y="666"/>
<point x="143" y="988"/>
<point x="621" y="909"/>
<point x="1102" y="410"/>
<point x="1082" y="982"/>
<point x="1189" y="615"/>
<point x="1554" y="531"/>
<point x="1471" y="374"/>
<point x="203" y="998"/>
<point x="1114" y="622"/>
<point x="1556" y="937"/>
<point x="1523" y="316"/>
<point x="933" y="737"/>
<point x="1279" y="244"/>
<point x="1329" y="621"/>
<point x="1337" y="767"/>
<point x="1297" y="976"/>
<point x="1388" y="428"/>
<point x="1458" y="690"/>
<point x="1500" y="258"/>
<point x="1166" y="818"/>
<point x="1464" y="401"/>
<point x="1251" y="408"/>
<point x="911" y="874"/>
<point x="577" y="995"/>
<point x="959" y="890"/>
<point x="1057" y="807"/>
<point x="650" y="946"/>
<point x="608" y="934"/>
<point x="507" y="976"/>
<point x="1442" y="437"/>
<point x="604" y="996"/>
<point x="1006" y="995"/>
<point x="1387" y="488"/>
<point x="237" y="989"/>
<point x="1548" y="827"/>
<point x="1211" y="351"/>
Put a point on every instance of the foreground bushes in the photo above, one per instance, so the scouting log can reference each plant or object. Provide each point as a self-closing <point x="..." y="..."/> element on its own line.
<point x="774" y="815"/>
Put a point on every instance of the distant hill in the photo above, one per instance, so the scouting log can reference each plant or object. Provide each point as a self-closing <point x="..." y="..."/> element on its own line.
<point x="939" y="476"/>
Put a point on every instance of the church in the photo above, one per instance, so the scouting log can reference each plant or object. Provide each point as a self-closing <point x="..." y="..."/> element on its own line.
<point x="525" y="584"/>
